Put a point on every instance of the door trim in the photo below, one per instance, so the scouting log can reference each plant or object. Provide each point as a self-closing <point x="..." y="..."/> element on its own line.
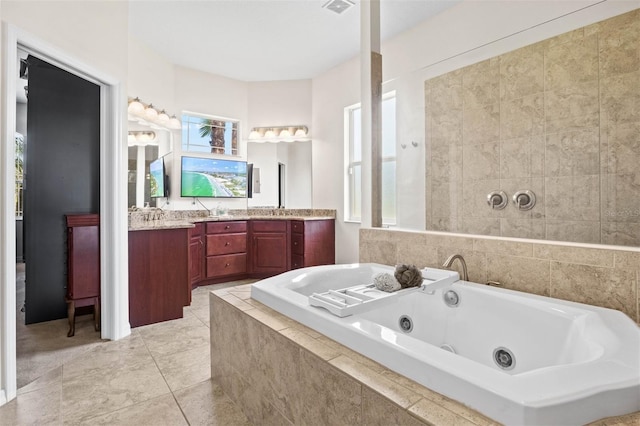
<point x="113" y="196"/>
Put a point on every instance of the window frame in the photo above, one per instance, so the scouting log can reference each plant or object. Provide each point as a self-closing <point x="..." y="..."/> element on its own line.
<point x="184" y="145"/>
<point x="353" y="192"/>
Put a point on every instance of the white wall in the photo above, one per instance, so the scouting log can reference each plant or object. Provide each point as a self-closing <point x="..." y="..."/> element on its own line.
<point x="465" y="34"/>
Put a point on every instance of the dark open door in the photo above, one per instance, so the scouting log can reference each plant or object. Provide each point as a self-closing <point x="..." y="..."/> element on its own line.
<point x="62" y="175"/>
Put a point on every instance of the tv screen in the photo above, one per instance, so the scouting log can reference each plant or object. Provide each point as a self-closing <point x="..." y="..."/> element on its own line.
<point x="157" y="178"/>
<point x="212" y="177"/>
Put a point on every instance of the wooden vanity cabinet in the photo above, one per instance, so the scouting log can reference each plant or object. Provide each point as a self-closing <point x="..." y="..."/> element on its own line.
<point x="196" y="254"/>
<point x="226" y="249"/>
<point x="270" y="252"/>
<point x="312" y="243"/>
<point x="158" y="275"/>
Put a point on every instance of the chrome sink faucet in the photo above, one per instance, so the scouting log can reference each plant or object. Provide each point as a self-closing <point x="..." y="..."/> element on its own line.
<point x="447" y="264"/>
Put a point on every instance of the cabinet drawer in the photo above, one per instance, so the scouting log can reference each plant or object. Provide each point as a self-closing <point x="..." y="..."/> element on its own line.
<point x="226" y="227"/>
<point x="269" y="225"/>
<point x="297" y="226"/>
<point x="297" y="261"/>
<point x="297" y="243"/>
<point x="230" y="264"/>
<point x="226" y="244"/>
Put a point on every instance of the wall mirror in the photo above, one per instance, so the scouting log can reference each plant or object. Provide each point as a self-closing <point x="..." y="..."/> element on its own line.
<point x="282" y="174"/>
<point x="146" y="144"/>
<point x="556" y="118"/>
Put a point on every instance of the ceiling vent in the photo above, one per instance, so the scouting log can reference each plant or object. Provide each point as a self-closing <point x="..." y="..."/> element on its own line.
<point x="338" y="6"/>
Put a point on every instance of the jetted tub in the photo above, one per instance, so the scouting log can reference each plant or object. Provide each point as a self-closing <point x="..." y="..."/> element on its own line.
<point x="515" y="357"/>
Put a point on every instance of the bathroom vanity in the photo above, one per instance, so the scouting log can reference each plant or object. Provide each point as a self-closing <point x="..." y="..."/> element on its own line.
<point x="176" y="251"/>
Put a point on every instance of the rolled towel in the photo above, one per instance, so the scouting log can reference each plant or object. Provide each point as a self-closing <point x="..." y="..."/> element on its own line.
<point x="408" y="275"/>
<point x="386" y="282"/>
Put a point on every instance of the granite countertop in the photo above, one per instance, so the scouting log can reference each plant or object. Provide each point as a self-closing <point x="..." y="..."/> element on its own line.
<point x="173" y="222"/>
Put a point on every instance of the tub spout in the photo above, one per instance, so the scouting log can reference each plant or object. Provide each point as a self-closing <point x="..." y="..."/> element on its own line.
<point x="447" y="264"/>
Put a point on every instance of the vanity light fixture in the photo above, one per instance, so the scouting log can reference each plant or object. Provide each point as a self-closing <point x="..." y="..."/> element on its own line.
<point x="279" y="134"/>
<point x="141" y="138"/>
<point x="148" y="115"/>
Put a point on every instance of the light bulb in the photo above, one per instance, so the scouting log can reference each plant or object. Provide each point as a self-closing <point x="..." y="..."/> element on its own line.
<point x="285" y="133"/>
<point x="174" y="123"/>
<point x="150" y="113"/>
<point x="254" y="134"/>
<point x="131" y="139"/>
<point x="269" y="133"/>
<point x="163" y="117"/>
<point x="301" y="132"/>
<point x="135" y="107"/>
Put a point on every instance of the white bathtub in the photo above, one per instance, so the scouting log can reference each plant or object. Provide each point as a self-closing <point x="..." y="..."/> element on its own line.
<point x="570" y="363"/>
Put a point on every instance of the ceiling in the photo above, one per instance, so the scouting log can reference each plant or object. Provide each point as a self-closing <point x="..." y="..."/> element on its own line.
<point x="264" y="40"/>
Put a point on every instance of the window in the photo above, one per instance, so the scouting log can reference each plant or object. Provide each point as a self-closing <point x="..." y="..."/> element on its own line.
<point x="210" y="134"/>
<point x="19" y="153"/>
<point x="353" y="122"/>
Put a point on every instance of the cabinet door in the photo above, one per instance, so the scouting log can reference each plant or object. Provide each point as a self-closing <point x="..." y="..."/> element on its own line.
<point x="269" y="252"/>
<point x="196" y="258"/>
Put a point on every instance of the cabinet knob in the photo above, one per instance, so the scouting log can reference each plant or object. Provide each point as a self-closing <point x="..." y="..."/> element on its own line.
<point x="295" y="243"/>
<point x="226" y="265"/>
<point x="227" y="227"/>
<point x="227" y="243"/>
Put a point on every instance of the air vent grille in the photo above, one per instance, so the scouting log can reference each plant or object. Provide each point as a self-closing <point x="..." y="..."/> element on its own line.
<point x="338" y="6"/>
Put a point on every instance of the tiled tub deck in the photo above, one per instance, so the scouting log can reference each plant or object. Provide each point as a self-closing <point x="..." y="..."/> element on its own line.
<point x="282" y="372"/>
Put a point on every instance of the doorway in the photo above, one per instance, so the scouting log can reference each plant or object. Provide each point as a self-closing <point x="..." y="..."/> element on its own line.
<point x="113" y="208"/>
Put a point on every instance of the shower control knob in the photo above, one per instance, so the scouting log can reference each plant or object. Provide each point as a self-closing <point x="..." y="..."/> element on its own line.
<point x="524" y="200"/>
<point x="497" y="200"/>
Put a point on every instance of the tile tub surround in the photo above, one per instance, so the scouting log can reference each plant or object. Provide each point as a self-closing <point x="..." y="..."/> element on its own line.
<point x="558" y="117"/>
<point x="596" y="275"/>
<point x="282" y="372"/>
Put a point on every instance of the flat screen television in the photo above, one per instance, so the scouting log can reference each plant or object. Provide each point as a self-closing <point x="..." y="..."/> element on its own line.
<point x="213" y="178"/>
<point x="158" y="179"/>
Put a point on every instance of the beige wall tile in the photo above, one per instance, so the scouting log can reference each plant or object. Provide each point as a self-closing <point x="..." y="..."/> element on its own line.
<point x="443" y="224"/>
<point x="619" y="53"/>
<point x="479" y="225"/>
<point x="445" y="200"/>
<point x="522" y="117"/>
<point x="535" y="185"/>
<point x="567" y="37"/>
<point x="377" y="410"/>
<point x="620" y="148"/>
<point x="573" y="198"/>
<point x="383" y="252"/>
<point x="571" y="62"/>
<point x="522" y="157"/>
<point x="398" y="394"/>
<point x="481" y="161"/>
<point x="608" y="287"/>
<point x="420" y="255"/>
<point x="446" y="128"/>
<point x="453" y="241"/>
<point x="621" y="233"/>
<point x="584" y="231"/>
<point x="328" y="395"/>
<point x="514" y="248"/>
<point x="523" y="228"/>
<point x="573" y="153"/>
<point x="519" y="273"/>
<point x="572" y="107"/>
<point x="521" y="73"/>
<point x="481" y="83"/>
<point x="481" y="124"/>
<point x="446" y="162"/>
<point x="627" y="259"/>
<point x="474" y="196"/>
<point x="620" y="99"/>
<point x="476" y="263"/>
<point x="437" y="415"/>
<point x="578" y="255"/>
<point x="621" y="198"/>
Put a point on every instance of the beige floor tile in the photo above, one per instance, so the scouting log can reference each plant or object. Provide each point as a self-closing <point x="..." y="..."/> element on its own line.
<point x="202" y="314"/>
<point x="187" y="368"/>
<point x="53" y="377"/>
<point x="162" y="410"/>
<point x="110" y="356"/>
<point x="39" y="407"/>
<point x="206" y="404"/>
<point x="176" y="338"/>
<point x="108" y="390"/>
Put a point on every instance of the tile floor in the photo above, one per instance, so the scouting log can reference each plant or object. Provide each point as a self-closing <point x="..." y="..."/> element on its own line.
<point x="159" y="375"/>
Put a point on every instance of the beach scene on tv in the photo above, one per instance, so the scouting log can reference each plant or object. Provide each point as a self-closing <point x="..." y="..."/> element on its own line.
<point x="209" y="177"/>
<point x="156" y="178"/>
